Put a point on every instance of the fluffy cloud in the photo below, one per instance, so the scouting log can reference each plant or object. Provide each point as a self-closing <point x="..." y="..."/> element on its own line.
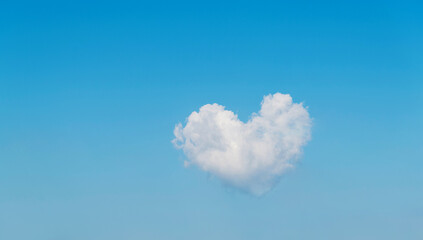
<point x="250" y="156"/>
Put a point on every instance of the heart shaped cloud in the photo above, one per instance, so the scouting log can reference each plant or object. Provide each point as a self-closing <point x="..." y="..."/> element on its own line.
<point x="249" y="156"/>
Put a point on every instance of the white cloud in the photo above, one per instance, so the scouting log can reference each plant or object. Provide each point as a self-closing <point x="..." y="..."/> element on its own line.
<point x="249" y="156"/>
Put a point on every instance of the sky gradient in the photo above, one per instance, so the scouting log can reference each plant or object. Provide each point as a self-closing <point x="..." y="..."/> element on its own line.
<point x="90" y="94"/>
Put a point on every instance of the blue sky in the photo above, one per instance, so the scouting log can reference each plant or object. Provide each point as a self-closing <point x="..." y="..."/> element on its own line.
<point x="90" y="94"/>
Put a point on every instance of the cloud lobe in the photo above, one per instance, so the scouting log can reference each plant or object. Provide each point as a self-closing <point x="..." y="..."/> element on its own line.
<point x="249" y="156"/>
